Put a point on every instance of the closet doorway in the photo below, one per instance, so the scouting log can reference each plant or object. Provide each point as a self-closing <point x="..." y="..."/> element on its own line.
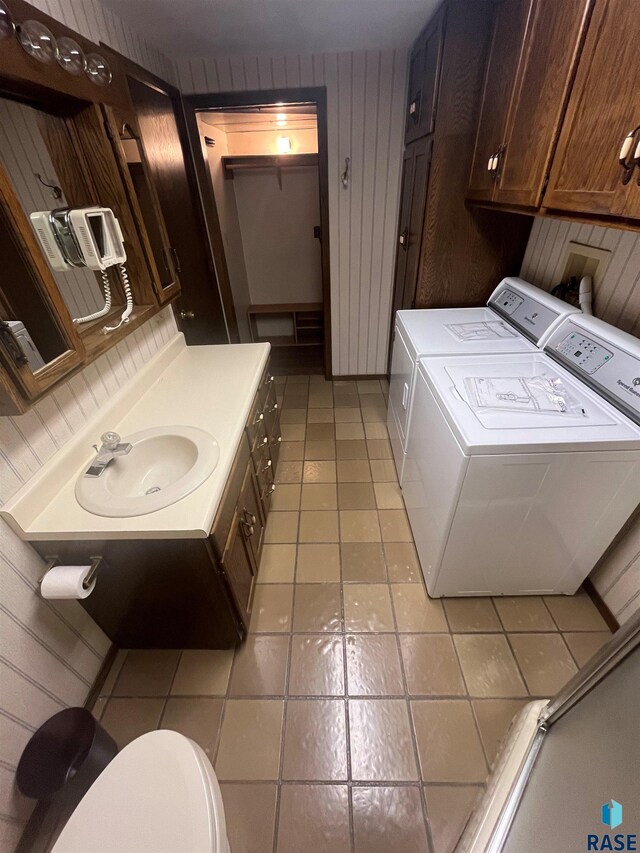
<point x="266" y="169"/>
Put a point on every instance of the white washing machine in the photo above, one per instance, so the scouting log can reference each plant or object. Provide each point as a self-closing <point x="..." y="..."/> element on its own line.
<point x="517" y="318"/>
<point x="522" y="468"/>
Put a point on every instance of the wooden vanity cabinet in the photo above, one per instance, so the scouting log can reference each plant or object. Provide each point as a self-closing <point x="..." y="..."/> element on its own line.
<point x="603" y="108"/>
<point x="534" y="49"/>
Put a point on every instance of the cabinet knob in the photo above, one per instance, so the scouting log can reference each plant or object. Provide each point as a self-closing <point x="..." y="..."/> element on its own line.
<point x="259" y="418"/>
<point x="187" y="315"/>
<point x="265" y="440"/>
<point x="272" y="489"/>
<point x="628" y="163"/>
<point x="266" y="467"/>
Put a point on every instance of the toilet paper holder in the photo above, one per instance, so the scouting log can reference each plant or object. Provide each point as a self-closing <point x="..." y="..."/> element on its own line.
<point x="52" y="562"/>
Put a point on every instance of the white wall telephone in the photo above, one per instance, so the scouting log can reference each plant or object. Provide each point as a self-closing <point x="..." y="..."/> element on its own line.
<point x="85" y="237"/>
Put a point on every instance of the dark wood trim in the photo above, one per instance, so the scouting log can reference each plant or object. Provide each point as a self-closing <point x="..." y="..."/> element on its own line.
<point x="601" y="607"/>
<point x="303" y="95"/>
<point x="101" y="677"/>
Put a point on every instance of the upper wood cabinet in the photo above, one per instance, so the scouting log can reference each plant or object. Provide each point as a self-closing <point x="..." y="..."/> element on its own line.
<point x="424" y="75"/>
<point x="534" y="48"/>
<point x="603" y="109"/>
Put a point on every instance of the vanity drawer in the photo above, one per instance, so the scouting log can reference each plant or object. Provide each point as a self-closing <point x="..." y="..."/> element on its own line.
<point x="224" y="517"/>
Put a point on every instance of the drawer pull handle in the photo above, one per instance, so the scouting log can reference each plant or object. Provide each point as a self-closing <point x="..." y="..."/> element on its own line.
<point x="274" y="408"/>
<point x="266" y="467"/>
<point x="265" y="440"/>
<point x="272" y="489"/>
<point x="249" y="517"/>
<point x="625" y="161"/>
<point x="258" y="418"/>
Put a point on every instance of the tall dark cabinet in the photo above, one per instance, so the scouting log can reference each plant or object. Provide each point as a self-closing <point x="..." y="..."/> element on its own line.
<point x="448" y="253"/>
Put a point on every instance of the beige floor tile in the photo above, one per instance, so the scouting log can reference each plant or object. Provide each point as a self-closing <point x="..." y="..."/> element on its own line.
<point x="319" y="496"/>
<point x="575" y="613"/>
<point x="545" y="662"/>
<point x="367" y="607"/>
<point x="349" y="414"/>
<point x="381" y="743"/>
<point x="376" y="432"/>
<point x="356" y="496"/>
<point x="314" y="818"/>
<point x="448" y="742"/>
<point x="292" y="451"/>
<point x="383" y="471"/>
<point x="345" y="401"/>
<point x="299" y="379"/>
<point x="363" y="562"/>
<point x="315" y="746"/>
<point x="271" y="612"/>
<point x="293" y="432"/>
<point x="317" y="666"/>
<point x="203" y="672"/>
<point x="373" y="414"/>
<point x="195" y="718"/>
<point x="317" y="608"/>
<point x="250" y="740"/>
<point x="448" y="808"/>
<point x="320" y="432"/>
<point x="318" y="526"/>
<point x="254" y="835"/>
<point x="317" y="450"/>
<point x="379" y="448"/>
<point x="320" y="401"/>
<point x="318" y="563"/>
<point x="114" y="672"/>
<point x="319" y="472"/>
<point x="584" y="644"/>
<point x="524" y="613"/>
<point x="347" y="385"/>
<point x="260" y="666"/>
<point x="359" y="525"/>
<point x="293" y="416"/>
<point x="431" y="666"/>
<point x="147" y="672"/>
<point x="415" y="611"/>
<point x="289" y="472"/>
<point x="471" y="614"/>
<point x="349" y="431"/>
<point x="286" y="497"/>
<point x="494" y="717"/>
<point x="354" y="471"/>
<point x="320" y="416"/>
<point x="282" y="527"/>
<point x="127" y="719"/>
<point x="388" y="496"/>
<point x="373" y="665"/>
<point x="488" y="665"/>
<point x="277" y="564"/>
<point x="368" y="386"/>
<point x="351" y="449"/>
<point x="388" y="819"/>
<point x="294" y="401"/>
<point x="402" y="562"/>
<point x="394" y="526"/>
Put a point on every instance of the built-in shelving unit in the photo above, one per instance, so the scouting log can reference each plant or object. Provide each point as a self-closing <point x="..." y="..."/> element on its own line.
<point x="306" y="321"/>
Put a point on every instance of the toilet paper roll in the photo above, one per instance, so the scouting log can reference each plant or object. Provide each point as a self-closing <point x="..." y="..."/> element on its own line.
<point x="66" y="582"/>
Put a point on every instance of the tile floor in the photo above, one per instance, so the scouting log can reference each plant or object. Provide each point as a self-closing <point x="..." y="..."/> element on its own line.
<point x="359" y="715"/>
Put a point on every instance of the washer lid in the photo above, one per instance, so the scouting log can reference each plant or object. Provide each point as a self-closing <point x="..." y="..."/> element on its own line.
<point x="451" y="331"/>
<point x="154" y="797"/>
<point x="514" y="424"/>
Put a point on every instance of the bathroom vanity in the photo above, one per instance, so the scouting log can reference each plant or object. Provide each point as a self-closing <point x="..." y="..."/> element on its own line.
<point x="181" y="576"/>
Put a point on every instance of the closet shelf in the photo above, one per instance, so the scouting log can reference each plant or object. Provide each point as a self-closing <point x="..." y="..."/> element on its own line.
<point x="306" y="319"/>
<point x="246" y="162"/>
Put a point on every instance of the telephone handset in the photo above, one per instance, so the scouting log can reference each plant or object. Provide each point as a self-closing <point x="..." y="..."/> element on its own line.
<point x="88" y="237"/>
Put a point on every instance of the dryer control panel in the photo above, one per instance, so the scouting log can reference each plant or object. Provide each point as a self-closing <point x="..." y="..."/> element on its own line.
<point x="531" y="310"/>
<point x="603" y="356"/>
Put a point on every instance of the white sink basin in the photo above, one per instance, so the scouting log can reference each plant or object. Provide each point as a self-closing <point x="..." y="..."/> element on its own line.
<point x="164" y="465"/>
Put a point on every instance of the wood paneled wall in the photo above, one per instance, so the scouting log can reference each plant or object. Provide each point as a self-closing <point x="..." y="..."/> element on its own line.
<point x="365" y="93"/>
<point x="616" y="300"/>
<point x="50" y="653"/>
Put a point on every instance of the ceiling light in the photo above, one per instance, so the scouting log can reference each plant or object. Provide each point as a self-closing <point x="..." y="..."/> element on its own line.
<point x="281" y="120"/>
<point x="284" y="145"/>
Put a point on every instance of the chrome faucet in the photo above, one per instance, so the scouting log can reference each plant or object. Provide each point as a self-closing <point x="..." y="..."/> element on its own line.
<point x="111" y="447"/>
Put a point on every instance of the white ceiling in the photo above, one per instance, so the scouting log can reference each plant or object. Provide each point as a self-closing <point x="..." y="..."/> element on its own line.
<point x="197" y="28"/>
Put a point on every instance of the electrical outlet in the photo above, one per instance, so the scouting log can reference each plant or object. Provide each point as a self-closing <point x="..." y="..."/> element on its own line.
<point x="584" y="260"/>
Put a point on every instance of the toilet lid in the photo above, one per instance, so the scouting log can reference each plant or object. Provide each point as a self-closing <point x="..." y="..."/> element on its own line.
<point x="159" y="795"/>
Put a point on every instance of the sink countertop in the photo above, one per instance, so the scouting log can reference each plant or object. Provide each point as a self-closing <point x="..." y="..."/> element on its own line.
<point x="211" y="387"/>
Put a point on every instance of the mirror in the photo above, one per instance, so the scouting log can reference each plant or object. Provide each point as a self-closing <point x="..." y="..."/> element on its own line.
<point x="27" y="154"/>
<point x="133" y="156"/>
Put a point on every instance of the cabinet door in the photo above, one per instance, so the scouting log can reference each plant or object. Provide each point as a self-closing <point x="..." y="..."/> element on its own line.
<point x="424" y="76"/>
<point x="252" y="521"/>
<point x="509" y="28"/>
<point x="551" y="50"/>
<point x="415" y="181"/>
<point x="603" y="108"/>
<point x="238" y="567"/>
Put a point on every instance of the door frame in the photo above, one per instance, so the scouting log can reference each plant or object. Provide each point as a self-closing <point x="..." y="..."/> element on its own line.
<point x="266" y="97"/>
